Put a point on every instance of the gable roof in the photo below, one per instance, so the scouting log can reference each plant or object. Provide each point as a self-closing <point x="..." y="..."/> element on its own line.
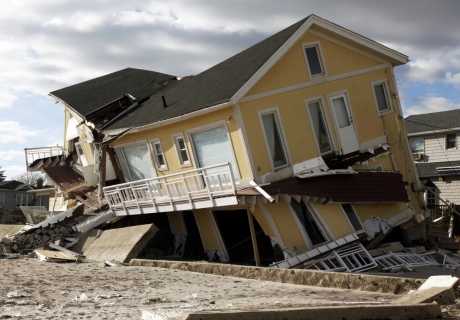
<point x="13" y="185"/>
<point x="428" y="169"/>
<point x="431" y="122"/>
<point x="88" y="96"/>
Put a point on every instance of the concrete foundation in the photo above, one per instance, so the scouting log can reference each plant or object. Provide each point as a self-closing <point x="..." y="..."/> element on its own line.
<point x="362" y="312"/>
<point x="294" y="276"/>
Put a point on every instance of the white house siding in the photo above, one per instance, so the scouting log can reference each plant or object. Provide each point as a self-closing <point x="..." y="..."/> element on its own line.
<point x="449" y="189"/>
<point x="435" y="149"/>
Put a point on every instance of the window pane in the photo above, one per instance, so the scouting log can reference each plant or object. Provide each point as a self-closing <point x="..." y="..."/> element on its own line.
<point x="451" y="140"/>
<point x="417" y="145"/>
<point x="381" y="98"/>
<point x="213" y="147"/>
<point x="341" y="112"/>
<point x="314" y="232"/>
<point x="319" y="126"/>
<point x="182" y="150"/>
<point x="274" y="140"/>
<point x="139" y="162"/>
<point x="352" y="217"/>
<point x="159" y="154"/>
<point x="313" y="60"/>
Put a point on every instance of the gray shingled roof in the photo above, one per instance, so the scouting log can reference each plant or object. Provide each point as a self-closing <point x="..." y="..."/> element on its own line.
<point x="429" y="122"/>
<point x="428" y="169"/>
<point x="13" y="185"/>
<point x="88" y="96"/>
<point x="211" y="87"/>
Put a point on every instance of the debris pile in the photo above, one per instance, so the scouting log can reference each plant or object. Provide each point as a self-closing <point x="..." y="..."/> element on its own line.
<point x="58" y="230"/>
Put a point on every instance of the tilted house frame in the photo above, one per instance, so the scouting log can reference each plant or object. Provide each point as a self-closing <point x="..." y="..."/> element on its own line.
<point x="291" y="143"/>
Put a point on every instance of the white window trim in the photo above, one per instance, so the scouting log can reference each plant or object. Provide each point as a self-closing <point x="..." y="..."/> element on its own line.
<point x="387" y="96"/>
<point x="317" y="77"/>
<point x="416" y="151"/>
<point x="285" y="146"/>
<point x="125" y="163"/>
<point x="81" y="157"/>
<point x="363" y="230"/>
<point x="207" y="127"/>
<point x="325" y="230"/>
<point x="182" y="163"/>
<point x="152" y="143"/>
<point x="326" y="120"/>
<point x="445" y="142"/>
<point x="26" y="196"/>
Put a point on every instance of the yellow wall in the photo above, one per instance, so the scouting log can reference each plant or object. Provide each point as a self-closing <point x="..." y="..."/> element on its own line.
<point x="207" y="231"/>
<point x="263" y="222"/>
<point x="294" y="117"/>
<point x="334" y="218"/>
<point x="381" y="210"/>
<point x="291" y="69"/>
<point x="287" y="226"/>
<point x="165" y="133"/>
<point x="177" y="224"/>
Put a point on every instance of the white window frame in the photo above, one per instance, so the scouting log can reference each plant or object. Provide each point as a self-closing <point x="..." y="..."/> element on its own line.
<point x="82" y="159"/>
<point x="362" y="230"/>
<point x="417" y="151"/>
<point x="318" y="220"/>
<point x="23" y="197"/>
<point x="455" y="147"/>
<point x="211" y="126"/>
<point x="319" y="51"/>
<point x="153" y="143"/>
<point x="326" y="122"/>
<point x="182" y="162"/>
<point x="387" y="93"/>
<point x="125" y="166"/>
<point x="279" y="123"/>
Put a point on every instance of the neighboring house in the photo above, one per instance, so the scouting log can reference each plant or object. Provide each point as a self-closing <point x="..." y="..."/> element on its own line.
<point x="434" y="140"/>
<point x="293" y="142"/>
<point x="15" y="194"/>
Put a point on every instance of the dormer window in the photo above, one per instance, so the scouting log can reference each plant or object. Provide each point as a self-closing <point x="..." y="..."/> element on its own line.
<point x="314" y="61"/>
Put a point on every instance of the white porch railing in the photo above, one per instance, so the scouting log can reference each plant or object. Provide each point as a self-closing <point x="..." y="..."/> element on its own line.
<point x="46" y="153"/>
<point x="200" y="188"/>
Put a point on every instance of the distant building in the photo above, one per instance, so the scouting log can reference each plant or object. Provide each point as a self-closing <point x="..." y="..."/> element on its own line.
<point x="434" y="142"/>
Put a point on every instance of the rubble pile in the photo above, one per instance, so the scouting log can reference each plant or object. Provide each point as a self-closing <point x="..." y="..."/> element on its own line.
<point x="58" y="230"/>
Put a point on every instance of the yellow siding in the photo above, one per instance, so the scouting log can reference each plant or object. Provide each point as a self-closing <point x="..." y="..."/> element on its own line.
<point x="294" y="117"/>
<point x="334" y="218"/>
<point x="165" y="133"/>
<point x="262" y="220"/>
<point x="291" y="69"/>
<point x="287" y="226"/>
<point x="207" y="231"/>
<point x="176" y="221"/>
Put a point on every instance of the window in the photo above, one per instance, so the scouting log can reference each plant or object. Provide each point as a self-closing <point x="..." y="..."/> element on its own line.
<point x="159" y="155"/>
<point x="319" y="126"/>
<point x="417" y="145"/>
<point x="212" y="146"/>
<point x="2" y="199"/>
<point x="451" y="141"/>
<point x="352" y="217"/>
<point x="431" y="200"/>
<point x="139" y="162"/>
<point x="273" y="140"/>
<point x="314" y="60"/>
<point x="312" y="227"/>
<point x="81" y="154"/>
<point x="381" y="97"/>
<point x="182" y="152"/>
<point x="24" y="200"/>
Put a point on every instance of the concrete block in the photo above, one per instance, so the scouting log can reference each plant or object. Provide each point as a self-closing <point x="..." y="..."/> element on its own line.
<point x="375" y="312"/>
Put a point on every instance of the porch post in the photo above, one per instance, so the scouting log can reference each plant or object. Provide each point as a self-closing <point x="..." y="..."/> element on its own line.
<point x="253" y="238"/>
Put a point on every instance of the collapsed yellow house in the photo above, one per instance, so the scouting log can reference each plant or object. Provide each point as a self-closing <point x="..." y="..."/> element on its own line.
<point x="288" y="145"/>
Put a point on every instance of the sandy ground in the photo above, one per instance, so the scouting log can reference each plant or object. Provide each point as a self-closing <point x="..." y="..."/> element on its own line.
<point x="32" y="289"/>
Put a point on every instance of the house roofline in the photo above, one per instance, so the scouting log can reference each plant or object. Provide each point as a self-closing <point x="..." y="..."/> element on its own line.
<point x="425" y="133"/>
<point x="393" y="55"/>
<point x="169" y="121"/>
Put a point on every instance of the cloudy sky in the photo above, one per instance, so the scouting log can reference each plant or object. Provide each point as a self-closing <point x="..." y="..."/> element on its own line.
<point x="50" y="44"/>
